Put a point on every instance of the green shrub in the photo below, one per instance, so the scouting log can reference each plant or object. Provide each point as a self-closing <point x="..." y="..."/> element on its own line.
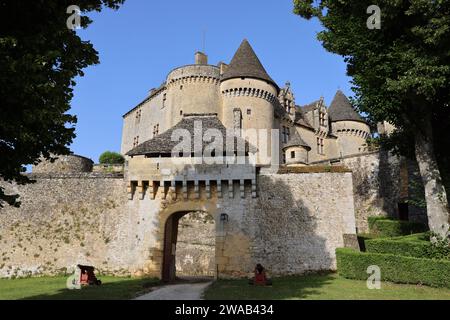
<point x="353" y="264"/>
<point x="109" y="157"/>
<point x="416" y="249"/>
<point x="388" y="227"/>
<point x="416" y="245"/>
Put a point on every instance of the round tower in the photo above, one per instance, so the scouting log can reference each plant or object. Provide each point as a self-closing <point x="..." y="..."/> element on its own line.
<point x="193" y="89"/>
<point x="248" y="96"/>
<point x="296" y="151"/>
<point x="352" y="131"/>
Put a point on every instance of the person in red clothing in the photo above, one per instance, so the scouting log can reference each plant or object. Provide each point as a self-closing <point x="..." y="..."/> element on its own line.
<point x="260" y="278"/>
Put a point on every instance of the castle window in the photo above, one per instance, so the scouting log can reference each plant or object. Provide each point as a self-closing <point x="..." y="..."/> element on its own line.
<point x="135" y="141"/>
<point x="284" y="158"/>
<point x="288" y="133"/>
<point x="156" y="130"/>
<point x="181" y="112"/>
<point x="292" y="154"/>
<point x="181" y="87"/>
<point x="285" y="134"/>
<point x="249" y="111"/>
<point x="164" y="99"/>
<point x="320" y="145"/>
<point x="322" y="119"/>
<point x="138" y="116"/>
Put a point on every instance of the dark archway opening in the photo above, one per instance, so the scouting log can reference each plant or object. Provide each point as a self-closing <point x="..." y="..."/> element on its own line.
<point x="189" y="247"/>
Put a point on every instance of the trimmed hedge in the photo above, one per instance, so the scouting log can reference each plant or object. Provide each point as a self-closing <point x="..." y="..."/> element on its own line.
<point x="418" y="249"/>
<point x="353" y="264"/>
<point x="387" y="227"/>
<point x="410" y="246"/>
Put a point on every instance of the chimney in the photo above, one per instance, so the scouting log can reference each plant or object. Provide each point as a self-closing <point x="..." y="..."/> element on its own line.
<point x="201" y="58"/>
<point x="223" y="67"/>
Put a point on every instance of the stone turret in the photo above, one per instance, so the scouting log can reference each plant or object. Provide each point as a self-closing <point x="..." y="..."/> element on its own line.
<point x="248" y="94"/>
<point x="193" y="89"/>
<point x="352" y="131"/>
<point x="296" y="150"/>
<point x="64" y="164"/>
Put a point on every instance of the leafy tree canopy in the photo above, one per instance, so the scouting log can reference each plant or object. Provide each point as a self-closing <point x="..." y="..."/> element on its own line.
<point x="39" y="59"/>
<point x="401" y="74"/>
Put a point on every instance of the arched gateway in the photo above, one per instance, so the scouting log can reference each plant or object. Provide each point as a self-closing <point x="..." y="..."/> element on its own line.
<point x="170" y="219"/>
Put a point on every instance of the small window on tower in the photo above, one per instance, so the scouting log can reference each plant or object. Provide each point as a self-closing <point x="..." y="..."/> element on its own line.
<point x="249" y="111"/>
<point x="181" y="112"/>
<point x="292" y="154"/>
<point x="181" y="87"/>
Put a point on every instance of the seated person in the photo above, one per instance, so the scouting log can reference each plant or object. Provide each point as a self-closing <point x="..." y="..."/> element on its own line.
<point x="84" y="277"/>
<point x="260" y="278"/>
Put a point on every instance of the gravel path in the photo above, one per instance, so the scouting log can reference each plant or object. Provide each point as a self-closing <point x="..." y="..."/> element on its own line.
<point x="189" y="291"/>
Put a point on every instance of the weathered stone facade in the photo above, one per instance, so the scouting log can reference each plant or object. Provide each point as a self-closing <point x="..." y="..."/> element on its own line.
<point x="88" y="218"/>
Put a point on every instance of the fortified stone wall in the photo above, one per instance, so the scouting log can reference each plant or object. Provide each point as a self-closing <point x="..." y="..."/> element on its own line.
<point x="294" y="225"/>
<point x="376" y="184"/>
<point x="63" y="220"/>
<point x="300" y="219"/>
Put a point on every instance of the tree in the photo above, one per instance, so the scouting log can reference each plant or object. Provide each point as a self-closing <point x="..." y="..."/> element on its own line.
<point x="39" y="59"/>
<point x="401" y="74"/>
<point x="109" y="157"/>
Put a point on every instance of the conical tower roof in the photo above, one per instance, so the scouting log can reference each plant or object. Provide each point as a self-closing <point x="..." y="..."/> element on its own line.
<point x="245" y="63"/>
<point x="341" y="109"/>
<point x="296" y="141"/>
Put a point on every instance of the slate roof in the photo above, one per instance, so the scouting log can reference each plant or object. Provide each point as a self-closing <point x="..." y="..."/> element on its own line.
<point x="246" y="63"/>
<point x="163" y="144"/>
<point x="310" y="107"/>
<point x="341" y="109"/>
<point x="300" y="117"/>
<point x="296" y="141"/>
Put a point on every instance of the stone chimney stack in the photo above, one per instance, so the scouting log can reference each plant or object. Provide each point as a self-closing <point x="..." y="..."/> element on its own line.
<point x="223" y="67"/>
<point x="201" y="58"/>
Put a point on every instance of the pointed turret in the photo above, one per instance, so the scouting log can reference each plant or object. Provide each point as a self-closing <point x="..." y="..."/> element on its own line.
<point x="341" y="109"/>
<point x="296" y="141"/>
<point x="246" y="64"/>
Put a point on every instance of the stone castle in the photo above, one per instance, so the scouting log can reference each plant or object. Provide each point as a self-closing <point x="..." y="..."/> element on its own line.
<point x="173" y="209"/>
<point x="243" y="96"/>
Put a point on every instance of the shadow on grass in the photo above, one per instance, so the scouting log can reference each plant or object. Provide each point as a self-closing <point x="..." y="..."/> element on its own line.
<point x="112" y="289"/>
<point x="284" y="288"/>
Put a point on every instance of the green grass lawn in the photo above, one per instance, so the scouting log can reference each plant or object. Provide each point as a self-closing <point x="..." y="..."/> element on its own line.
<point x="319" y="287"/>
<point x="55" y="288"/>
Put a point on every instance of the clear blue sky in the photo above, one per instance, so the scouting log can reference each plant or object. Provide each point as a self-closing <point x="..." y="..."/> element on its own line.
<point x="141" y="42"/>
